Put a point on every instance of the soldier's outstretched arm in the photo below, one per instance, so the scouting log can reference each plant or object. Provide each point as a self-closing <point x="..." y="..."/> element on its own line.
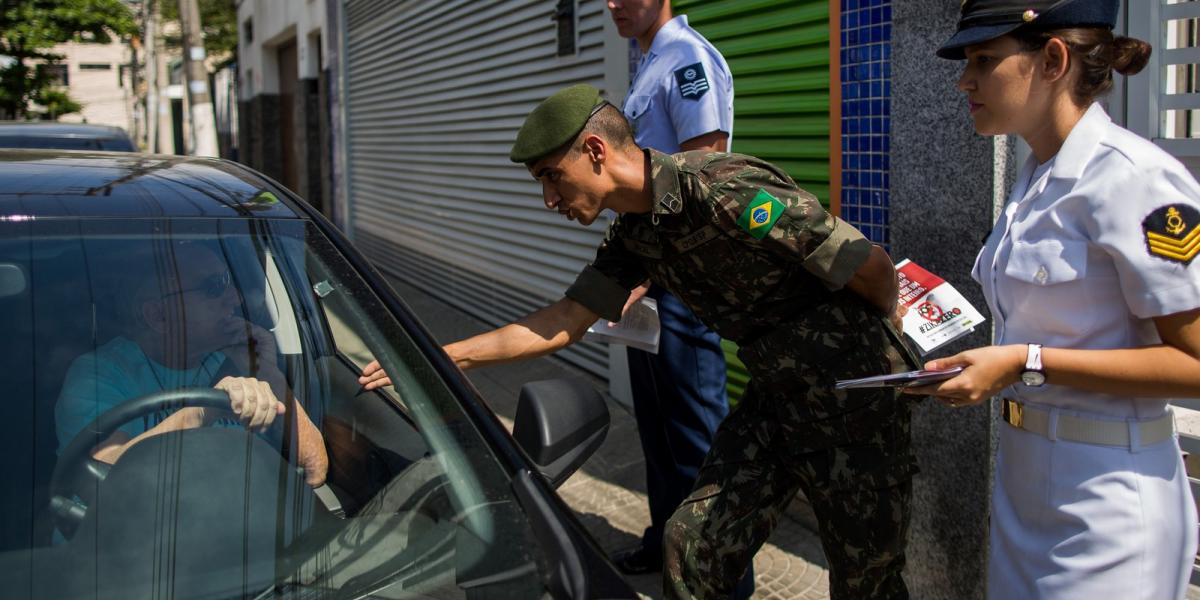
<point x="545" y="331"/>
<point x="875" y="281"/>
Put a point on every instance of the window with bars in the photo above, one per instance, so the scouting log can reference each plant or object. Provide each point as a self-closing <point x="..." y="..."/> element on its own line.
<point x="1164" y="100"/>
<point x="58" y="74"/>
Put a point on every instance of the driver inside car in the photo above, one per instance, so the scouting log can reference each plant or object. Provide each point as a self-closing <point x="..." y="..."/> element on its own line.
<point x="187" y="330"/>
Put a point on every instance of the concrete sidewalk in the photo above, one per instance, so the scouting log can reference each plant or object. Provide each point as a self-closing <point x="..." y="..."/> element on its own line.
<point x="609" y="492"/>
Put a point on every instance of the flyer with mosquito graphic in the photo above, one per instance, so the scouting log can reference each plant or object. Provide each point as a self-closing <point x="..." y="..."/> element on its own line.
<point x="937" y="313"/>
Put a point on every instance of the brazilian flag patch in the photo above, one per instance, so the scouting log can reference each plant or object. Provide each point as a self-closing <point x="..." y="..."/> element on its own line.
<point x="760" y="216"/>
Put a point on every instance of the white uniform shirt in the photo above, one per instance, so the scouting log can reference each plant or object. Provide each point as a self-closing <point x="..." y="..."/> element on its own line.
<point x="682" y="89"/>
<point x="1070" y="261"/>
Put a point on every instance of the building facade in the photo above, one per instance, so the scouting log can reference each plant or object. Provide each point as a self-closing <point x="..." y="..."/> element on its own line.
<point x="283" y="103"/>
<point x="98" y="77"/>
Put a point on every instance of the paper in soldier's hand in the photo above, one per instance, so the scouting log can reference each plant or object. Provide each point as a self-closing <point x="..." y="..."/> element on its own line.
<point x="638" y="328"/>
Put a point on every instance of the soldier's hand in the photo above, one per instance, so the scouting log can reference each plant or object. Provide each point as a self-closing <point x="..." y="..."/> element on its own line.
<point x="986" y="371"/>
<point x="897" y="317"/>
<point x="635" y="294"/>
<point x="373" y="377"/>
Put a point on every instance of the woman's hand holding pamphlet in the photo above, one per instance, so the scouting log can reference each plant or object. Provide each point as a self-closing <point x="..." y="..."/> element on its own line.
<point x="937" y="314"/>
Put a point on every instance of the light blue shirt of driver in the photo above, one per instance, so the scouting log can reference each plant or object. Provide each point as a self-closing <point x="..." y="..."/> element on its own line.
<point x="119" y="371"/>
<point x="661" y="117"/>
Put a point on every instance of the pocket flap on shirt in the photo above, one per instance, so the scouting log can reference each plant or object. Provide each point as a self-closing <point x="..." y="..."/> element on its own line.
<point x="1047" y="262"/>
<point x="637" y="106"/>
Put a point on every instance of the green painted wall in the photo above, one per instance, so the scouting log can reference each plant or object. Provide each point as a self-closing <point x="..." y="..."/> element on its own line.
<point x="778" y="51"/>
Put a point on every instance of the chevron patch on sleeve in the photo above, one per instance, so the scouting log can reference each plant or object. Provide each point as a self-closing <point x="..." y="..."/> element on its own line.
<point x="1173" y="233"/>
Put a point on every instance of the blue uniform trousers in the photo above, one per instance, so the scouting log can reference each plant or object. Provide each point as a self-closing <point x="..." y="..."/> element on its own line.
<point x="678" y="400"/>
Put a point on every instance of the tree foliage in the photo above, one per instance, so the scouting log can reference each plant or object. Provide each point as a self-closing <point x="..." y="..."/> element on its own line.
<point x="30" y="29"/>
<point x="218" y="22"/>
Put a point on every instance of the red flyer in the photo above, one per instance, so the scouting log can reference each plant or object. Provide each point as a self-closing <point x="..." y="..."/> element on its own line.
<point x="937" y="313"/>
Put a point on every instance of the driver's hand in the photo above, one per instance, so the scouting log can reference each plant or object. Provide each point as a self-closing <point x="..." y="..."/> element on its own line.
<point x="251" y="401"/>
<point x="373" y="377"/>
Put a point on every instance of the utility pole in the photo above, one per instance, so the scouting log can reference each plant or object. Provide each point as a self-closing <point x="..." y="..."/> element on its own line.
<point x="137" y="119"/>
<point x="153" y="112"/>
<point x="200" y="106"/>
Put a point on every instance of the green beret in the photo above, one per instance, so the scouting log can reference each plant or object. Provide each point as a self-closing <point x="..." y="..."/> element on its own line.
<point x="556" y="121"/>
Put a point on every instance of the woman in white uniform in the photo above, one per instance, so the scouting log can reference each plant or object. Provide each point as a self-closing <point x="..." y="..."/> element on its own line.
<point x="1092" y="283"/>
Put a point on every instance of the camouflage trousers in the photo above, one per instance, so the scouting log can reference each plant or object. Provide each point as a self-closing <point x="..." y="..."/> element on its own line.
<point x="860" y="490"/>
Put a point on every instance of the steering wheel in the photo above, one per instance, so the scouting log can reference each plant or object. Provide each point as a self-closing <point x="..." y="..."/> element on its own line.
<point x="73" y="461"/>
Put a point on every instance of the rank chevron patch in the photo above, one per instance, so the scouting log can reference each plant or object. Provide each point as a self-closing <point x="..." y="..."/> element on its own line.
<point x="692" y="81"/>
<point x="1173" y="233"/>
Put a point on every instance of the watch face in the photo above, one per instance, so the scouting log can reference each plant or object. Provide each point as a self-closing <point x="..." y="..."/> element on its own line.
<point x="1033" y="378"/>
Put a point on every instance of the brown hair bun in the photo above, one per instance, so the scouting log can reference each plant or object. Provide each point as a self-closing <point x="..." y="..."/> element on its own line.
<point x="1130" y="55"/>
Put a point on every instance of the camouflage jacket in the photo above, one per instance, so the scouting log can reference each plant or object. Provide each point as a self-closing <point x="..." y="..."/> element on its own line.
<point x="750" y="252"/>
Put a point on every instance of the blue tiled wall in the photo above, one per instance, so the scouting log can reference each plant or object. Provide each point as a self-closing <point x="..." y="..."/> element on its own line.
<point x="866" y="52"/>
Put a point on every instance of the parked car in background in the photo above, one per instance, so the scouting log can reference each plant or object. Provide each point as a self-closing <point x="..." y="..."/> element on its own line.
<point x="64" y="136"/>
<point x="426" y="495"/>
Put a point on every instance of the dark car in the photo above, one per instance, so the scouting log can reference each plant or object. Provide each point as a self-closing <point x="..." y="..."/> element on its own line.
<point x="132" y="287"/>
<point x="64" y="136"/>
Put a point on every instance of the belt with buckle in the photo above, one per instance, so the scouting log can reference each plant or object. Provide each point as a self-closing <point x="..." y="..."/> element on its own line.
<point x="1074" y="428"/>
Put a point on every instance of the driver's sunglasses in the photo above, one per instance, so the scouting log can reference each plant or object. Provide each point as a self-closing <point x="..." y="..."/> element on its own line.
<point x="213" y="286"/>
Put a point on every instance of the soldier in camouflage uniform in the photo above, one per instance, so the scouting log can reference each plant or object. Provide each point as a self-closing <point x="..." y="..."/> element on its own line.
<point x="806" y="297"/>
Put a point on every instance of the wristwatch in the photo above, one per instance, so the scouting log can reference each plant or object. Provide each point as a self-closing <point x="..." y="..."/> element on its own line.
<point x="1033" y="375"/>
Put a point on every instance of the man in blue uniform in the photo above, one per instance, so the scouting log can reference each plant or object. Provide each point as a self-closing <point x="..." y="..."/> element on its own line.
<point x="681" y="98"/>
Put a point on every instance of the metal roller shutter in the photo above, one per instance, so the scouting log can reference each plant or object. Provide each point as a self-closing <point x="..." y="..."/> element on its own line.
<point x="778" y="52"/>
<point x="436" y="91"/>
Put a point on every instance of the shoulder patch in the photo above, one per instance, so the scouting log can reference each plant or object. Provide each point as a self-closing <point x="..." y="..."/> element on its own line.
<point x="692" y="81"/>
<point x="761" y="214"/>
<point x="1173" y="233"/>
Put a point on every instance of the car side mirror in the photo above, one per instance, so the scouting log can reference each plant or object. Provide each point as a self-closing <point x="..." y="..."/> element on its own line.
<point x="559" y="424"/>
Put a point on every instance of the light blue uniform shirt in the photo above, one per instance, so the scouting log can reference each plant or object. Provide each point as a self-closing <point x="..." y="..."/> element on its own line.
<point x="117" y="372"/>
<point x="682" y="89"/>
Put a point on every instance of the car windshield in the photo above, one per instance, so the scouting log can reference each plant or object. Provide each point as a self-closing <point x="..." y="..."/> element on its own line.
<point x="127" y="475"/>
<point x="66" y="142"/>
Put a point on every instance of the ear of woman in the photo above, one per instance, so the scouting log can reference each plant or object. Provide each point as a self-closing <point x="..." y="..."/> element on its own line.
<point x="1056" y="61"/>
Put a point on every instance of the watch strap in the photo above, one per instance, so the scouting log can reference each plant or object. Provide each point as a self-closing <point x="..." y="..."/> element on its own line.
<point x="1033" y="358"/>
